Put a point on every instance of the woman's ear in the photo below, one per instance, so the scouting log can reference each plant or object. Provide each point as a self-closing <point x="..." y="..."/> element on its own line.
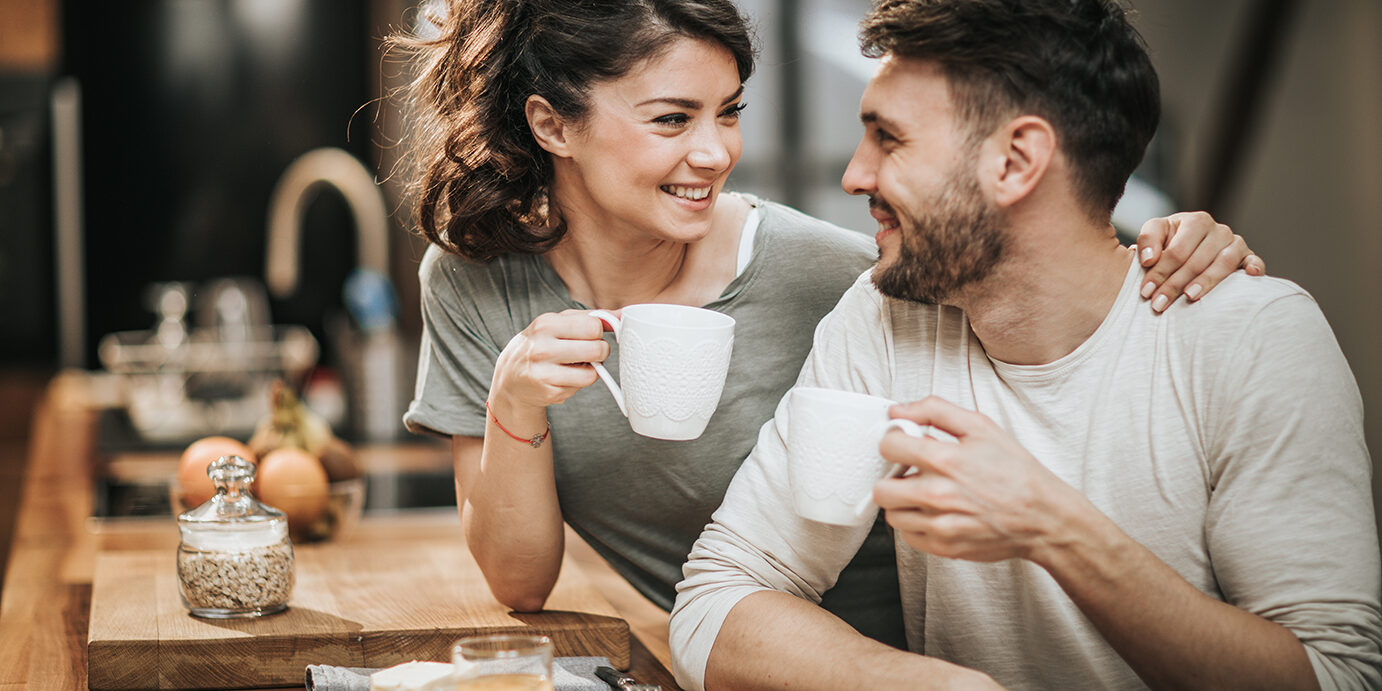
<point x="1025" y="148"/>
<point x="548" y="128"/>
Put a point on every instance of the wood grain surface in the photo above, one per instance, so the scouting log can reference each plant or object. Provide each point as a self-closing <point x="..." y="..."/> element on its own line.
<point x="49" y="603"/>
<point x="400" y="588"/>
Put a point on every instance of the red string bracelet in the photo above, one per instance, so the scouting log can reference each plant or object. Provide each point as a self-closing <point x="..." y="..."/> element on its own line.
<point x="533" y="441"/>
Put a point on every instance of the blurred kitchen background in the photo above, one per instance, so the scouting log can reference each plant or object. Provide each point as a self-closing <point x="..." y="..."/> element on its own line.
<point x="186" y="201"/>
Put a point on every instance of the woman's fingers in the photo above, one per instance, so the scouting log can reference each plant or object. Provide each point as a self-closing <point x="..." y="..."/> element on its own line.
<point x="1255" y="265"/>
<point x="1198" y="254"/>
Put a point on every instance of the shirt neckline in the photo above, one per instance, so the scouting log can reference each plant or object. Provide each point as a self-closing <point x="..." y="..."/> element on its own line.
<point x="1113" y="321"/>
<point x="753" y="223"/>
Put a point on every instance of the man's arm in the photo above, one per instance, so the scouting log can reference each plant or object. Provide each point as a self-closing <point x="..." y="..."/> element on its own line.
<point x="772" y="640"/>
<point x="985" y="498"/>
<point x="1288" y="529"/>
<point x="1170" y="633"/>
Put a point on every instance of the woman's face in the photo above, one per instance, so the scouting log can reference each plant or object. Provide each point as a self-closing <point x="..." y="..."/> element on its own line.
<point x="656" y="146"/>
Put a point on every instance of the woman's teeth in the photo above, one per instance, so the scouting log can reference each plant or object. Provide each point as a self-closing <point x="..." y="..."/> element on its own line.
<point x="692" y="193"/>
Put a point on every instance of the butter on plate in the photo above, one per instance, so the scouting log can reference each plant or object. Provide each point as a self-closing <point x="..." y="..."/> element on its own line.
<point x="409" y="676"/>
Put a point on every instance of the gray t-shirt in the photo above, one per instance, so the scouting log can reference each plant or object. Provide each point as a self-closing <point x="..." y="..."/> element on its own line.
<point x="642" y="502"/>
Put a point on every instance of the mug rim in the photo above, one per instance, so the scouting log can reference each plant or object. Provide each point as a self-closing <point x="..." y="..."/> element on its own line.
<point x="821" y="393"/>
<point x="654" y="314"/>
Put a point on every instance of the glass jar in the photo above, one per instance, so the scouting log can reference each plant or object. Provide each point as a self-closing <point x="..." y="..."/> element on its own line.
<point x="234" y="558"/>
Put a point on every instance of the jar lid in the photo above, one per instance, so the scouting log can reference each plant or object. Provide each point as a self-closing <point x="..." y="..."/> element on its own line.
<point x="233" y="518"/>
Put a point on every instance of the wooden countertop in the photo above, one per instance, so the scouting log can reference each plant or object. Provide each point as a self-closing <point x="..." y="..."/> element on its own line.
<point x="45" y="611"/>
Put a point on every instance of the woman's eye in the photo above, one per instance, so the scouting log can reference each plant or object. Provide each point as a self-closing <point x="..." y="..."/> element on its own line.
<point x="674" y="119"/>
<point x="733" y="111"/>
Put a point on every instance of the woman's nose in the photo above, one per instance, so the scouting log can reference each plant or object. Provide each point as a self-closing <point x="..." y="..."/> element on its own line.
<point x="710" y="150"/>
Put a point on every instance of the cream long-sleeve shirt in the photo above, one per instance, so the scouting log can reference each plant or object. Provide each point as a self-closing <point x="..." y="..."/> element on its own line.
<point x="1224" y="435"/>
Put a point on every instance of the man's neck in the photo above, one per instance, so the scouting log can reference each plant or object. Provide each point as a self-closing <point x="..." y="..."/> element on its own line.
<point x="1049" y="295"/>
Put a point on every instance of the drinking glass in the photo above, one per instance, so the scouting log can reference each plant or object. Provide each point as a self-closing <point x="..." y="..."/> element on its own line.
<point x="503" y="662"/>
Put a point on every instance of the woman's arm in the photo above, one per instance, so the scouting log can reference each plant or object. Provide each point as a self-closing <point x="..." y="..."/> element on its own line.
<point x="509" y="512"/>
<point x="505" y="482"/>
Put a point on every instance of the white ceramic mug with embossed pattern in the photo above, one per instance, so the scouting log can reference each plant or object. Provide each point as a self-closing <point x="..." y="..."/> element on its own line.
<point x="673" y="360"/>
<point x="832" y="452"/>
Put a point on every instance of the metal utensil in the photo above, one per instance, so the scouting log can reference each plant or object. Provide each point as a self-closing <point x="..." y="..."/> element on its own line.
<point x="621" y="681"/>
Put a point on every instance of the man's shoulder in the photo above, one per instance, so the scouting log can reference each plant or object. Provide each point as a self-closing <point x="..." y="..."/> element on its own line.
<point x="1251" y="319"/>
<point x="1241" y="298"/>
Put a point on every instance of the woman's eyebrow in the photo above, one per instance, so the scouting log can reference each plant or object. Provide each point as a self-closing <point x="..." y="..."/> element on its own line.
<point x="689" y="103"/>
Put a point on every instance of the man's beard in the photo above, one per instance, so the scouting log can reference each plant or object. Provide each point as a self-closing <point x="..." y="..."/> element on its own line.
<point x="955" y="240"/>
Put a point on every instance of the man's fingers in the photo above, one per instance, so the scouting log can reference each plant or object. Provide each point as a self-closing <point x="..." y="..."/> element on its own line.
<point x="927" y="492"/>
<point x="926" y="453"/>
<point x="941" y="414"/>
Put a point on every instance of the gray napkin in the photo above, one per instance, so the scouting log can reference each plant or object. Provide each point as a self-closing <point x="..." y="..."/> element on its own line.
<point x="568" y="674"/>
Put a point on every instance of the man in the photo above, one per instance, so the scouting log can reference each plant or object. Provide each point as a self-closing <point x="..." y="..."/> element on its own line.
<point x="1131" y="499"/>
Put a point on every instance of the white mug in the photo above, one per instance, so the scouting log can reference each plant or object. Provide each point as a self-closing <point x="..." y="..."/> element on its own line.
<point x="832" y="452"/>
<point x="673" y="360"/>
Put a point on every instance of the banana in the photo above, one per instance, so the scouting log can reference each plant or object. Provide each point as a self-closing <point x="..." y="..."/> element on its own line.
<point x="292" y="423"/>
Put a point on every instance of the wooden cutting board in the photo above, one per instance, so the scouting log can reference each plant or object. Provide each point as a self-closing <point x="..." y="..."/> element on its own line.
<point x="397" y="590"/>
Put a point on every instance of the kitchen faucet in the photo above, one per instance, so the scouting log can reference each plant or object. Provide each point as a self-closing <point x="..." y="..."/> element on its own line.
<point x="339" y="169"/>
<point x="372" y="356"/>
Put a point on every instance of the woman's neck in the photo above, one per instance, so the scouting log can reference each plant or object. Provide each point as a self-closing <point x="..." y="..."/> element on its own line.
<point x="608" y="272"/>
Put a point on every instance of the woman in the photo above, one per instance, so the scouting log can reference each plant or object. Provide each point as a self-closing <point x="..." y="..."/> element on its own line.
<point x="578" y="160"/>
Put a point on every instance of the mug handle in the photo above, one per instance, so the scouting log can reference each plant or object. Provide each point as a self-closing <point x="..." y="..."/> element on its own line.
<point x="895" y="470"/>
<point x="616" y="325"/>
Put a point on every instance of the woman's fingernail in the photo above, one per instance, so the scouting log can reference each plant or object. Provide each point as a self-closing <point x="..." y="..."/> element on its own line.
<point x="1159" y="303"/>
<point x="1193" y="291"/>
<point x="1146" y="256"/>
<point x="1147" y="289"/>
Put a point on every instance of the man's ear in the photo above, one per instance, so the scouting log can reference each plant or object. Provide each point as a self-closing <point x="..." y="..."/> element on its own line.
<point x="1021" y="153"/>
<point x="548" y="128"/>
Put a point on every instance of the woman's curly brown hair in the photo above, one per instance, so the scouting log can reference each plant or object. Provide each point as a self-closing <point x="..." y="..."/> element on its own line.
<point x="482" y="183"/>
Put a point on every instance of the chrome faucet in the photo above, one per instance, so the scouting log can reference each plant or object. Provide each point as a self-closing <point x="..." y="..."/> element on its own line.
<point x="339" y="169"/>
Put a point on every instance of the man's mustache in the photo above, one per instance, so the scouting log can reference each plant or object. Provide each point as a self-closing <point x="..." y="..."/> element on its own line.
<point x="878" y="204"/>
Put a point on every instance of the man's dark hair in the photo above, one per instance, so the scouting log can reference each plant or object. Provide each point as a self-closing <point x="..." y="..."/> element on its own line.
<point x="1078" y="64"/>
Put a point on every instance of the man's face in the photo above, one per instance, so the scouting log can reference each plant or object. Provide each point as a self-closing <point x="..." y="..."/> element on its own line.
<point x="937" y="232"/>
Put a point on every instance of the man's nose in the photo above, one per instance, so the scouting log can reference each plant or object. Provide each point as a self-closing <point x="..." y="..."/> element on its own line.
<point x="859" y="174"/>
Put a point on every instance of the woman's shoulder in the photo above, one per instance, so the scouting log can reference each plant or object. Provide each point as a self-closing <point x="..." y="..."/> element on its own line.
<point x="805" y="259"/>
<point x="439" y="266"/>
<point x="447" y="277"/>
<point x="807" y="234"/>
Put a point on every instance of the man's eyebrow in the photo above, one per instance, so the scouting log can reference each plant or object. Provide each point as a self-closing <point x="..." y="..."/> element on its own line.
<point x="872" y="118"/>
<point x="689" y="103"/>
